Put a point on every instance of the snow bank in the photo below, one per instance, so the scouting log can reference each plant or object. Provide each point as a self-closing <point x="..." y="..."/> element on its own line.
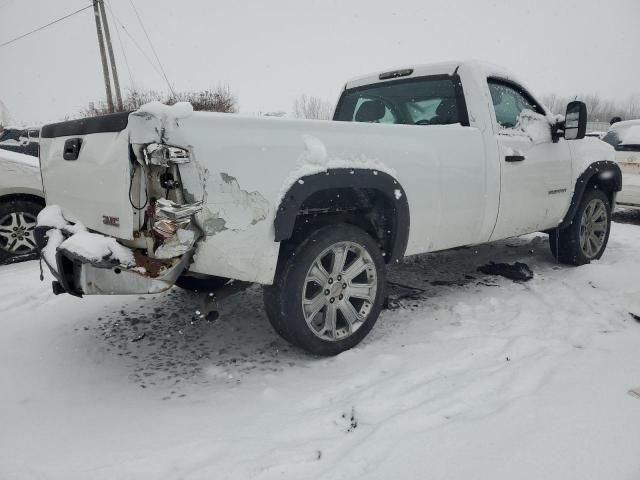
<point x="95" y="248"/>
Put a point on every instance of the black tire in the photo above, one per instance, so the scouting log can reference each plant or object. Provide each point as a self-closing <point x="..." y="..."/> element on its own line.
<point x="200" y="284"/>
<point x="283" y="299"/>
<point x="565" y="243"/>
<point x="25" y="210"/>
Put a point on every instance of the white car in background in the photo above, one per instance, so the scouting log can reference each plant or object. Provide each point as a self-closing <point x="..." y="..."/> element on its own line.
<point x="21" y="199"/>
<point x="624" y="137"/>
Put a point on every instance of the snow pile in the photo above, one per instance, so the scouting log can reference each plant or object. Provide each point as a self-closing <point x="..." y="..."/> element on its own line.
<point x="54" y="239"/>
<point x="153" y="121"/>
<point x="166" y="112"/>
<point x="52" y="216"/>
<point x="90" y="246"/>
<point x="95" y="248"/>
<point x="534" y="125"/>
<point x="630" y="136"/>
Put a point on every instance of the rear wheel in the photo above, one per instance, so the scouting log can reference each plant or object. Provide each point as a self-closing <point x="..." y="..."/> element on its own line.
<point x="328" y="292"/>
<point x="17" y="224"/>
<point x="586" y="238"/>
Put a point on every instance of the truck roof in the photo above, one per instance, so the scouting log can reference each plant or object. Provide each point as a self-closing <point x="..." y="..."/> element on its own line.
<point x="420" y="70"/>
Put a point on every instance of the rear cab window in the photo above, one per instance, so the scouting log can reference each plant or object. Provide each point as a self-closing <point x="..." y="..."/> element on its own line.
<point x="430" y="100"/>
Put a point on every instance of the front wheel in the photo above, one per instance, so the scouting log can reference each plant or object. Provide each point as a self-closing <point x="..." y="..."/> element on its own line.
<point x="328" y="292"/>
<point x="586" y="238"/>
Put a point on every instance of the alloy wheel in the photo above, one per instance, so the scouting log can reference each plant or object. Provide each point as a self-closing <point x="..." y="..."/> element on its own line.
<point x="339" y="291"/>
<point x="16" y="233"/>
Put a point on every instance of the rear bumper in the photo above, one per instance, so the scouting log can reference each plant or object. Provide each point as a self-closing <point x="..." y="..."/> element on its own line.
<point x="78" y="276"/>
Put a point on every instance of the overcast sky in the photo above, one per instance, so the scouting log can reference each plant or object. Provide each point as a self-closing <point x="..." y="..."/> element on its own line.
<point x="271" y="51"/>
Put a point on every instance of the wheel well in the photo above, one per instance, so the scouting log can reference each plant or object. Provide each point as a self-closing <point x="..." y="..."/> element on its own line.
<point x="607" y="183"/>
<point x="367" y="208"/>
<point x="604" y="175"/>
<point x="23" y="196"/>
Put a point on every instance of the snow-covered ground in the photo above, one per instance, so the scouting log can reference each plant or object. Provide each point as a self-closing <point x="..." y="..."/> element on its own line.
<point x="465" y="377"/>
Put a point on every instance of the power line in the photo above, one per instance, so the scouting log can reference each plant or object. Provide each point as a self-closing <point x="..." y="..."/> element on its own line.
<point x="44" y="26"/>
<point x="136" y="44"/>
<point x="124" y="53"/>
<point x="152" y="49"/>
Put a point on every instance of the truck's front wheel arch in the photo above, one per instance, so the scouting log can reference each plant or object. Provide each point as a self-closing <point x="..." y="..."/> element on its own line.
<point x="369" y="199"/>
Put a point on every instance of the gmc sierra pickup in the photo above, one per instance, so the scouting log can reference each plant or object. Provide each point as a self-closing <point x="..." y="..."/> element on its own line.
<point x="416" y="160"/>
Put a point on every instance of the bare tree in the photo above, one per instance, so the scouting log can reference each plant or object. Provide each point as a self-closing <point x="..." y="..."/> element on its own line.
<point x="599" y="109"/>
<point x="312" y="107"/>
<point x="219" y="99"/>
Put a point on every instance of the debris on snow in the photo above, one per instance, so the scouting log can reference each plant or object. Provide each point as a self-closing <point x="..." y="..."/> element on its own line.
<point x="139" y="337"/>
<point x="635" y="317"/>
<point x="518" y="272"/>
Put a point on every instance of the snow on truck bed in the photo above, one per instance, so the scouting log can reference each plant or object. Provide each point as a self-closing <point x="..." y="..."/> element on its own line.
<point x="467" y="376"/>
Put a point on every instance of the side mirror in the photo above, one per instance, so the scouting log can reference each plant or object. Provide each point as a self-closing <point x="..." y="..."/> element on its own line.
<point x="575" y="121"/>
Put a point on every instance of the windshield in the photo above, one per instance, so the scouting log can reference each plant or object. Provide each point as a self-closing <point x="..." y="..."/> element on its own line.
<point x="421" y="101"/>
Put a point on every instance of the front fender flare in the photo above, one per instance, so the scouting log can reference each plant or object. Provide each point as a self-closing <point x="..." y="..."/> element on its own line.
<point x="606" y="172"/>
<point x="306" y="186"/>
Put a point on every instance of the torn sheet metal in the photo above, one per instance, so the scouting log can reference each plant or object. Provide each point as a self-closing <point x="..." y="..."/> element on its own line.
<point x="234" y="208"/>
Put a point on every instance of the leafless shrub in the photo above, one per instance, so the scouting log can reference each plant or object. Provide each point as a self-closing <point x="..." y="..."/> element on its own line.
<point x="312" y="107"/>
<point x="219" y="99"/>
<point x="599" y="109"/>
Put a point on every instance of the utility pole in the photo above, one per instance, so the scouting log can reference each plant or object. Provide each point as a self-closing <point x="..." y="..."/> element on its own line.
<point x="105" y="68"/>
<point x="112" y="59"/>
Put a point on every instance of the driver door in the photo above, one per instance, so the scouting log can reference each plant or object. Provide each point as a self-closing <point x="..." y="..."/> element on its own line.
<point x="535" y="172"/>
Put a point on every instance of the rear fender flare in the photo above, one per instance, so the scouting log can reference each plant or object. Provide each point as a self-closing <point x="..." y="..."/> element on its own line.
<point x="384" y="183"/>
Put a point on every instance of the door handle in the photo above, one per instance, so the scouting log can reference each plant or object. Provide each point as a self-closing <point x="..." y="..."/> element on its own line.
<point x="72" y="149"/>
<point x="514" y="158"/>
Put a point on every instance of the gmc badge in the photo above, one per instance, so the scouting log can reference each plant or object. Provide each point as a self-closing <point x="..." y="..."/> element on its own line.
<point x="111" y="221"/>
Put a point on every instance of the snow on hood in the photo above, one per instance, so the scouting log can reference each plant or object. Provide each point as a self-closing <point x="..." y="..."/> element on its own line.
<point x="629" y="136"/>
<point x="154" y="121"/>
<point x="21" y="158"/>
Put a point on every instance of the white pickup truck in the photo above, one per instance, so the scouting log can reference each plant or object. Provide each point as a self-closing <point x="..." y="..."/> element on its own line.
<point x="416" y="160"/>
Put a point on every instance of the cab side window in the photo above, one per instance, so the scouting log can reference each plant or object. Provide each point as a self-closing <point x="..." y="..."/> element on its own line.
<point x="508" y="102"/>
